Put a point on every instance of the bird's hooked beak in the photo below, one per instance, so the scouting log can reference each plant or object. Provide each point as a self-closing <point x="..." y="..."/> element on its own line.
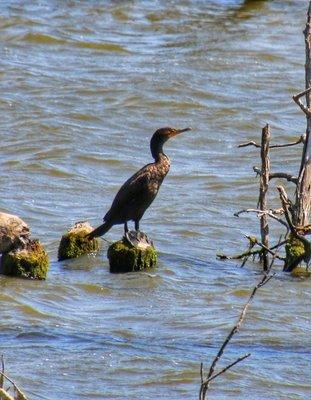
<point x="178" y="131"/>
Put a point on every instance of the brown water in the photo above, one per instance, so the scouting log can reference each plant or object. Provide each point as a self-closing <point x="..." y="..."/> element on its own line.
<point x="83" y="87"/>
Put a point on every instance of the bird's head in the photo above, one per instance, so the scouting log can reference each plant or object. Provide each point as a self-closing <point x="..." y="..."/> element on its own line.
<point x="161" y="136"/>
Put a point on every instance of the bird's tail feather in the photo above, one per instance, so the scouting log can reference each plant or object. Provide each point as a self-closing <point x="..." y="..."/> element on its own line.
<point x="99" y="231"/>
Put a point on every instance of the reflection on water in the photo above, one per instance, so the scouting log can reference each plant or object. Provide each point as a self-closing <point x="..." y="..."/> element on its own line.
<point x="83" y="87"/>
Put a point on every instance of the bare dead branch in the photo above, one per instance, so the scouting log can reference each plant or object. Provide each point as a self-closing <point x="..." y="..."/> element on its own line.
<point x="3" y="393"/>
<point x="286" y="204"/>
<point x="301" y="139"/>
<point x="303" y="93"/>
<point x="251" y="143"/>
<point x="227" y="367"/>
<point x="205" y="384"/>
<point x="269" y="213"/>
<point x="281" y="175"/>
<point x="305" y="109"/>
<point x="239" y="256"/>
<point x="20" y="394"/>
<point x="267" y="249"/>
<point x="297" y="100"/>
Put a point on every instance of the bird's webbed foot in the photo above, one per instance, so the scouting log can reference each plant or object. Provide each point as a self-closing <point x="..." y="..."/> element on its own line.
<point x="138" y="239"/>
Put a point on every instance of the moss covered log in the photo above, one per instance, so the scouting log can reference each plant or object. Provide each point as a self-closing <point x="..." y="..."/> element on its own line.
<point x="30" y="262"/>
<point x="74" y="243"/>
<point x="124" y="257"/>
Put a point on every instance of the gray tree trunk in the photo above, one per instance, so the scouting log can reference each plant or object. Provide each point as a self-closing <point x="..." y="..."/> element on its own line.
<point x="302" y="215"/>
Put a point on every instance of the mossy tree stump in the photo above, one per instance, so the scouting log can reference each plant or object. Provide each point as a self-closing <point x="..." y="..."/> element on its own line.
<point x="124" y="257"/>
<point x="75" y="242"/>
<point x="31" y="261"/>
<point x="21" y="256"/>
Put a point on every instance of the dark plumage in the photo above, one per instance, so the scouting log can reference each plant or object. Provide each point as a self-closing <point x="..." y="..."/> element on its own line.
<point x="139" y="191"/>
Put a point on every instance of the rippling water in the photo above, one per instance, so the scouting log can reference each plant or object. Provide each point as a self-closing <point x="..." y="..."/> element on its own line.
<point x="83" y="87"/>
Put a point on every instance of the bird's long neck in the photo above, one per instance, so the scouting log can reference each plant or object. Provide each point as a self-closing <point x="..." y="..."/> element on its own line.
<point x="156" y="148"/>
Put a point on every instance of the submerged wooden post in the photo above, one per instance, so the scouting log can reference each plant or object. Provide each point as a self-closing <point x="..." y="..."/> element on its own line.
<point x="263" y="191"/>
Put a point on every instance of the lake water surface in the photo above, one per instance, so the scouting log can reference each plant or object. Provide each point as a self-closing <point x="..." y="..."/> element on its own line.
<point x="83" y="87"/>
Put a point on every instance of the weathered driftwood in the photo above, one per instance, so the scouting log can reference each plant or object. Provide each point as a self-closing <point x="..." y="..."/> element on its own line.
<point x="14" y="232"/>
<point x="74" y="242"/>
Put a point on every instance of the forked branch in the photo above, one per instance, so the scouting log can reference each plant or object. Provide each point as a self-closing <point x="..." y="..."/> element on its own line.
<point x="210" y="376"/>
<point x="297" y="100"/>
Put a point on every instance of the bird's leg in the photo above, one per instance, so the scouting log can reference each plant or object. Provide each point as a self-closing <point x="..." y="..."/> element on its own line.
<point x="136" y="226"/>
<point x="126" y="228"/>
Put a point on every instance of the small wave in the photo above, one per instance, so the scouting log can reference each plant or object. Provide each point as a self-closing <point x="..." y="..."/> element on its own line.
<point x="42" y="38"/>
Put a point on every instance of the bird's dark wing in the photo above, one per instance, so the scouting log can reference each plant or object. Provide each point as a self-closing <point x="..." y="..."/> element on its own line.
<point x="134" y="196"/>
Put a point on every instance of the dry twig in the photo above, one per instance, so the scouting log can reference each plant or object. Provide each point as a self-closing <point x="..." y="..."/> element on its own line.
<point x="4" y="395"/>
<point x="269" y="213"/>
<point x="210" y="376"/>
<point x="206" y="382"/>
<point x="297" y="100"/>
<point x="278" y="175"/>
<point x="301" y="139"/>
<point x="268" y="250"/>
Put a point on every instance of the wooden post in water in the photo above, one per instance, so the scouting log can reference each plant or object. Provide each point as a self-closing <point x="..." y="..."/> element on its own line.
<point x="263" y="192"/>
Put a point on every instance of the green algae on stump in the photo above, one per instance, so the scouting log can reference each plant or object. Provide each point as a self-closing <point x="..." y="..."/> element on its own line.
<point x="30" y="262"/>
<point x="295" y="252"/>
<point x="74" y="243"/>
<point x="301" y="272"/>
<point x="123" y="257"/>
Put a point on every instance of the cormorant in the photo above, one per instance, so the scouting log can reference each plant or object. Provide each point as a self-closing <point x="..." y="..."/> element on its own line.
<point x="139" y="191"/>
